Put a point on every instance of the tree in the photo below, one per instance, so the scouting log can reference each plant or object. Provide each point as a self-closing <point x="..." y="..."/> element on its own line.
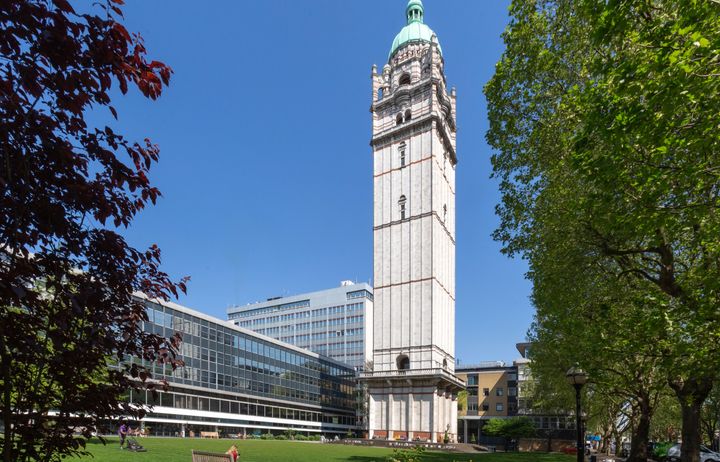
<point x="68" y="320"/>
<point x="511" y="428"/>
<point x="604" y="117"/>
<point x="462" y="397"/>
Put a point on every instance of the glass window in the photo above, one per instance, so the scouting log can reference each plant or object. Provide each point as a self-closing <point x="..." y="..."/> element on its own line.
<point x="499" y="407"/>
<point x="401" y="206"/>
<point x="498" y="391"/>
<point x="486" y="392"/>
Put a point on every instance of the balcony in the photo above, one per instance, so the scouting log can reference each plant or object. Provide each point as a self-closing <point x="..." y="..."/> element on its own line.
<point x="408" y="374"/>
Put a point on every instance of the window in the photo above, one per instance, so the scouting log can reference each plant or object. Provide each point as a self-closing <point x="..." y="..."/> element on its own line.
<point x="399" y="119"/>
<point x="472" y="407"/>
<point x="499" y="407"/>
<point x="401" y="206"/>
<point x="401" y="151"/>
<point x="486" y="407"/>
<point x="472" y="379"/>
<point x="405" y="79"/>
<point x="403" y="362"/>
<point x="408" y="115"/>
<point x="486" y="392"/>
<point x="472" y="391"/>
<point x="444" y="213"/>
<point x="512" y="391"/>
<point x="498" y="392"/>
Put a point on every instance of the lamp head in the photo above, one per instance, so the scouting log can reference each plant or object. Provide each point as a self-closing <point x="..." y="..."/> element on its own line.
<point x="576" y="376"/>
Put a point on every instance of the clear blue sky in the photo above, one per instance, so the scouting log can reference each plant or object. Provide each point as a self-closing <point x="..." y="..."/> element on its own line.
<point x="266" y="168"/>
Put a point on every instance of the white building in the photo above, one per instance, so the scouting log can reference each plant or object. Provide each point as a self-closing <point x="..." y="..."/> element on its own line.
<point x="333" y="322"/>
<point x="412" y="386"/>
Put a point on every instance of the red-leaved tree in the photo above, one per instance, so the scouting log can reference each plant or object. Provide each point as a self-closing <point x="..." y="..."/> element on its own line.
<point x="66" y="277"/>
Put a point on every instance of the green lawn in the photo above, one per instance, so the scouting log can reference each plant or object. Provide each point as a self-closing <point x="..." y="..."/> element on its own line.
<point x="178" y="450"/>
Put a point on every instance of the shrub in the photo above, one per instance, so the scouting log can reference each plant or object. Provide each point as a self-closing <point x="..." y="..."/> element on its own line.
<point x="313" y="438"/>
<point x="407" y="455"/>
<point x="267" y="436"/>
<point x="301" y="437"/>
<point x="281" y="437"/>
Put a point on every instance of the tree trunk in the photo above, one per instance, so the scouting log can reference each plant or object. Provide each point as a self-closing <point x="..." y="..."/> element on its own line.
<point x="641" y="431"/>
<point x="691" y="393"/>
<point x="7" y="405"/>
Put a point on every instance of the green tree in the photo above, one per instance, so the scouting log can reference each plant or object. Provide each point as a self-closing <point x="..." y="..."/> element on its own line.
<point x="462" y="402"/>
<point x="68" y="317"/>
<point x="604" y="117"/>
<point x="511" y="428"/>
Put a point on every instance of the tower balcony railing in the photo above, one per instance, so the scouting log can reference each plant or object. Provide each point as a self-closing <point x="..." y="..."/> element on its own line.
<point x="413" y="373"/>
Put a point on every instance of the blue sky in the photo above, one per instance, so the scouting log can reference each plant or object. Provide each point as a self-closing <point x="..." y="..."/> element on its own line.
<point x="266" y="168"/>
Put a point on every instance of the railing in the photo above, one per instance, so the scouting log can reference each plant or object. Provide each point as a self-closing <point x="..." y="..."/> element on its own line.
<point x="397" y="373"/>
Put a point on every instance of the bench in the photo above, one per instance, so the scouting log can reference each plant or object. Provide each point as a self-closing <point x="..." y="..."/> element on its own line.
<point x="202" y="456"/>
<point x="209" y="435"/>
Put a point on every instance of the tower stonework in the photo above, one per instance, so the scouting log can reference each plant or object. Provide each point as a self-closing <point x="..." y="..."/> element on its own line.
<point x="411" y="382"/>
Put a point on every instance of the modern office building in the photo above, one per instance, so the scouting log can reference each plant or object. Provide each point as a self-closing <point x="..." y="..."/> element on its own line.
<point x="334" y="322"/>
<point x="412" y="385"/>
<point x="237" y="381"/>
<point x="491" y="393"/>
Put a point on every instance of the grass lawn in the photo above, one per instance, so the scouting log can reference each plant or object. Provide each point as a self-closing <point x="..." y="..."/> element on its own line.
<point x="178" y="450"/>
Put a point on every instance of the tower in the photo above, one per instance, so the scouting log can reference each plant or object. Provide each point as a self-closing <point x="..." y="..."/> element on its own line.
<point x="412" y="386"/>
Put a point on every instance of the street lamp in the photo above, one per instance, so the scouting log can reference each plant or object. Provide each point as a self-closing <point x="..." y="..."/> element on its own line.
<point x="577" y="378"/>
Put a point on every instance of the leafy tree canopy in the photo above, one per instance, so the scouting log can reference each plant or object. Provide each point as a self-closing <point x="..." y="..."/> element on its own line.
<point x="66" y="275"/>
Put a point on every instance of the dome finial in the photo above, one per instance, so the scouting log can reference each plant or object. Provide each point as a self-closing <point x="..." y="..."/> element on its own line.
<point x="414" y="11"/>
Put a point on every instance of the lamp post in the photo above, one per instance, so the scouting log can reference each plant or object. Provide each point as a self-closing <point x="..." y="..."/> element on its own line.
<point x="577" y="378"/>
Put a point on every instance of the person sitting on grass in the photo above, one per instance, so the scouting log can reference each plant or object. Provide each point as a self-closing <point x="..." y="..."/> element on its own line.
<point x="233" y="451"/>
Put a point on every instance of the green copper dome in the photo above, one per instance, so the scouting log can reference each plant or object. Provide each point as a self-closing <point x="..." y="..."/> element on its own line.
<point x="415" y="30"/>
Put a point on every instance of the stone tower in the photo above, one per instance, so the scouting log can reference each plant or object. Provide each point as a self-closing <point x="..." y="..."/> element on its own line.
<point x="411" y="384"/>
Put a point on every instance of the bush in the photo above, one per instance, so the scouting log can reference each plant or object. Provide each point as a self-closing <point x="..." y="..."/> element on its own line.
<point x="407" y="455"/>
<point x="313" y="438"/>
<point x="281" y="437"/>
<point x="301" y="438"/>
<point x="660" y="450"/>
<point x="267" y="436"/>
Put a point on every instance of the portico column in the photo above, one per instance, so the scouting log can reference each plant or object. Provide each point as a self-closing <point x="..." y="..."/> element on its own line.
<point x="390" y="420"/>
<point x="432" y="417"/>
<point x="410" y="419"/>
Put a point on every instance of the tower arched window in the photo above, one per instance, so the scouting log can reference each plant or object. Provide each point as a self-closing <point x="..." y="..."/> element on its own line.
<point x="403" y="362"/>
<point x="408" y="115"/>
<point x="401" y="206"/>
<point x="399" y="119"/>
<point x="444" y="213"/>
<point x="405" y="79"/>
<point x="401" y="152"/>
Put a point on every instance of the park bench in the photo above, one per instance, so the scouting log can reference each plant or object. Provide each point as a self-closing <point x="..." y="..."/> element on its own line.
<point x="202" y="456"/>
<point x="209" y="435"/>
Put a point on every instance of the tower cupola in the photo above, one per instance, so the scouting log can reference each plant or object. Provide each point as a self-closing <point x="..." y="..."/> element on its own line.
<point x="415" y="30"/>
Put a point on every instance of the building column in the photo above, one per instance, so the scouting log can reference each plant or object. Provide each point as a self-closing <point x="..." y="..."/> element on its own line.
<point x="465" y="433"/>
<point x="410" y="418"/>
<point x="432" y="417"/>
<point x="390" y="419"/>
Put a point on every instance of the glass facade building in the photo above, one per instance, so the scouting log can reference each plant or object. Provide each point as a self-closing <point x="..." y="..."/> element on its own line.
<point x="236" y="381"/>
<point x="333" y="322"/>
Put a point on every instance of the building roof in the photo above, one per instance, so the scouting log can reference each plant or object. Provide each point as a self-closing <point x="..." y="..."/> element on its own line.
<point x="415" y="30"/>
